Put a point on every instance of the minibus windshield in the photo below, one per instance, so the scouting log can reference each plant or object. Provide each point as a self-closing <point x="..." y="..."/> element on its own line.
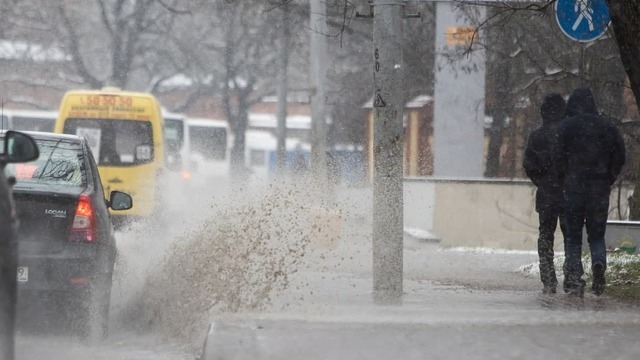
<point x="115" y="142"/>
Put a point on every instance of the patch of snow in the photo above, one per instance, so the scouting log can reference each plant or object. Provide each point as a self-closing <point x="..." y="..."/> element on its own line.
<point x="20" y="50"/>
<point x="623" y="259"/>
<point x="421" y="234"/>
<point x="263" y="120"/>
<point x="488" y="120"/>
<point x="419" y="101"/>
<point x="552" y="71"/>
<point x="523" y="102"/>
<point x="292" y="97"/>
<point x="482" y="250"/>
<point x="533" y="269"/>
<point x="178" y="80"/>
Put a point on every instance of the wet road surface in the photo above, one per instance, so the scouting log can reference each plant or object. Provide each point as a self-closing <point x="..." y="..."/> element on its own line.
<point x="457" y="303"/>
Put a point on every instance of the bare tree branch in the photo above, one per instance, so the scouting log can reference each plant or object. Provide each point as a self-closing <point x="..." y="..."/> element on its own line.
<point x="173" y="9"/>
<point x="75" y="50"/>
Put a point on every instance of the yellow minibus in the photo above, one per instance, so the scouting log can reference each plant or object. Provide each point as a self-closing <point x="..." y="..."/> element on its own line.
<point x="125" y="132"/>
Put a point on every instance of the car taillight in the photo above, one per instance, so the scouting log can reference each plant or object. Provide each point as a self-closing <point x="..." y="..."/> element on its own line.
<point x="84" y="222"/>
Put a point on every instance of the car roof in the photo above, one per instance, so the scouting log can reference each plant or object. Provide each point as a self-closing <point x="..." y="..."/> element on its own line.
<point x="48" y="135"/>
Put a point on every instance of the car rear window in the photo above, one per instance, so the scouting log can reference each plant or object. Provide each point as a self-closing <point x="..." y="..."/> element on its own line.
<point x="61" y="162"/>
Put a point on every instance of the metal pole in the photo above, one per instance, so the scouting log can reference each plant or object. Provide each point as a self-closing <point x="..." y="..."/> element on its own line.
<point x="318" y="50"/>
<point x="388" y="78"/>
<point x="582" y="66"/>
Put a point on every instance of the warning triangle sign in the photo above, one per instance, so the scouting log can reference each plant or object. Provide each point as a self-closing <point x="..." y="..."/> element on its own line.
<point x="379" y="102"/>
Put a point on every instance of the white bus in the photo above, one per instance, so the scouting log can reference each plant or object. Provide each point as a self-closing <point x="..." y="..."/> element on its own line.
<point x="206" y="148"/>
<point x="28" y="120"/>
<point x="261" y="150"/>
<point x="207" y="145"/>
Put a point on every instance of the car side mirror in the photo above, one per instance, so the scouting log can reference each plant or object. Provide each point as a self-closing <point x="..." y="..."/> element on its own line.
<point x="120" y="201"/>
<point x="18" y="148"/>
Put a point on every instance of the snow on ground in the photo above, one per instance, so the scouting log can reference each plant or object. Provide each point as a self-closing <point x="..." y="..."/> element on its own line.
<point x="420" y="234"/>
<point x="484" y="250"/>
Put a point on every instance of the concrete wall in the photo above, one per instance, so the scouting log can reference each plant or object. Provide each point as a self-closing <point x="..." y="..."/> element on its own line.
<point x="478" y="213"/>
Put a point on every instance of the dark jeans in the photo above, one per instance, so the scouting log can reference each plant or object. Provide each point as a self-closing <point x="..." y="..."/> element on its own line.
<point x="590" y="209"/>
<point x="548" y="224"/>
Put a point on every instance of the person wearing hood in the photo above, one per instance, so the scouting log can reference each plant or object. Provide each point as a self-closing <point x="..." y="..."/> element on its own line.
<point x="538" y="165"/>
<point x="590" y="156"/>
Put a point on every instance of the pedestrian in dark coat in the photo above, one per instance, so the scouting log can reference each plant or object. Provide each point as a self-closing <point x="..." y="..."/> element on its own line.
<point x="538" y="164"/>
<point x="590" y="157"/>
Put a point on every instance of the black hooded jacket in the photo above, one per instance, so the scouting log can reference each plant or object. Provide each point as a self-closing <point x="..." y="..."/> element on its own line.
<point x="591" y="151"/>
<point x="538" y="156"/>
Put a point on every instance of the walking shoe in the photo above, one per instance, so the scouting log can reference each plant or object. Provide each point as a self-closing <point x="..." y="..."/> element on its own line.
<point x="549" y="289"/>
<point x="599" y="281"/>
<point x="575" y="289"/>
<point x="576" y="292"/>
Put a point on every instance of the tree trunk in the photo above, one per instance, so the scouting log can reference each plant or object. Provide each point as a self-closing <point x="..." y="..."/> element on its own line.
<point x="283" y="64"/>
<point x="500" y="111"/>
<point x="318" y="70"/>
<point x="495" y="144"/>
<point x="239" y="120"/>
<point x="625" y="19"/>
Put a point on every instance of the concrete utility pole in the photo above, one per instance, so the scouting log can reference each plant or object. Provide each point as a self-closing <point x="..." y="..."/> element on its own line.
<point x="318" y="51"/>
<point x="388" y="79"/>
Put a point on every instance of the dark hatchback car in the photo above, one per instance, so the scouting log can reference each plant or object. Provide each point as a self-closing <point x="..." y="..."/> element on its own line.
<point x="66" y="242"/>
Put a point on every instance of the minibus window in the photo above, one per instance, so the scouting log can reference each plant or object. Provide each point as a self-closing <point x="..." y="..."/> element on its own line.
<point x="115" y="142"/>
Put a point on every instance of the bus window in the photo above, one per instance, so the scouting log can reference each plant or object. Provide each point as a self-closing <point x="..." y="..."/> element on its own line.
<point x="174" y="133"/>
<point x="210" y="142"/>
<point x="174" y="141"/>
<point x="30" y="123"/>
<point x="257" y="157"/>
<point x="28" y="120"/>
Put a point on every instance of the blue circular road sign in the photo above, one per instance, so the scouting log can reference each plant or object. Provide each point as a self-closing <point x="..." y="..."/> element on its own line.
<point x="582" y="20"/>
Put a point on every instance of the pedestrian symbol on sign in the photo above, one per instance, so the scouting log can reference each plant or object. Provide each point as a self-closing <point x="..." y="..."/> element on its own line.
<point x="582" y="20"/>
<point x="586" y="13"/>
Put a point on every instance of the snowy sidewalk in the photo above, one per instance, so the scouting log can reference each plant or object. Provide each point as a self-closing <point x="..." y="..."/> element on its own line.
<point x="434" y="322"/>
<point x="456" y="304"/>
